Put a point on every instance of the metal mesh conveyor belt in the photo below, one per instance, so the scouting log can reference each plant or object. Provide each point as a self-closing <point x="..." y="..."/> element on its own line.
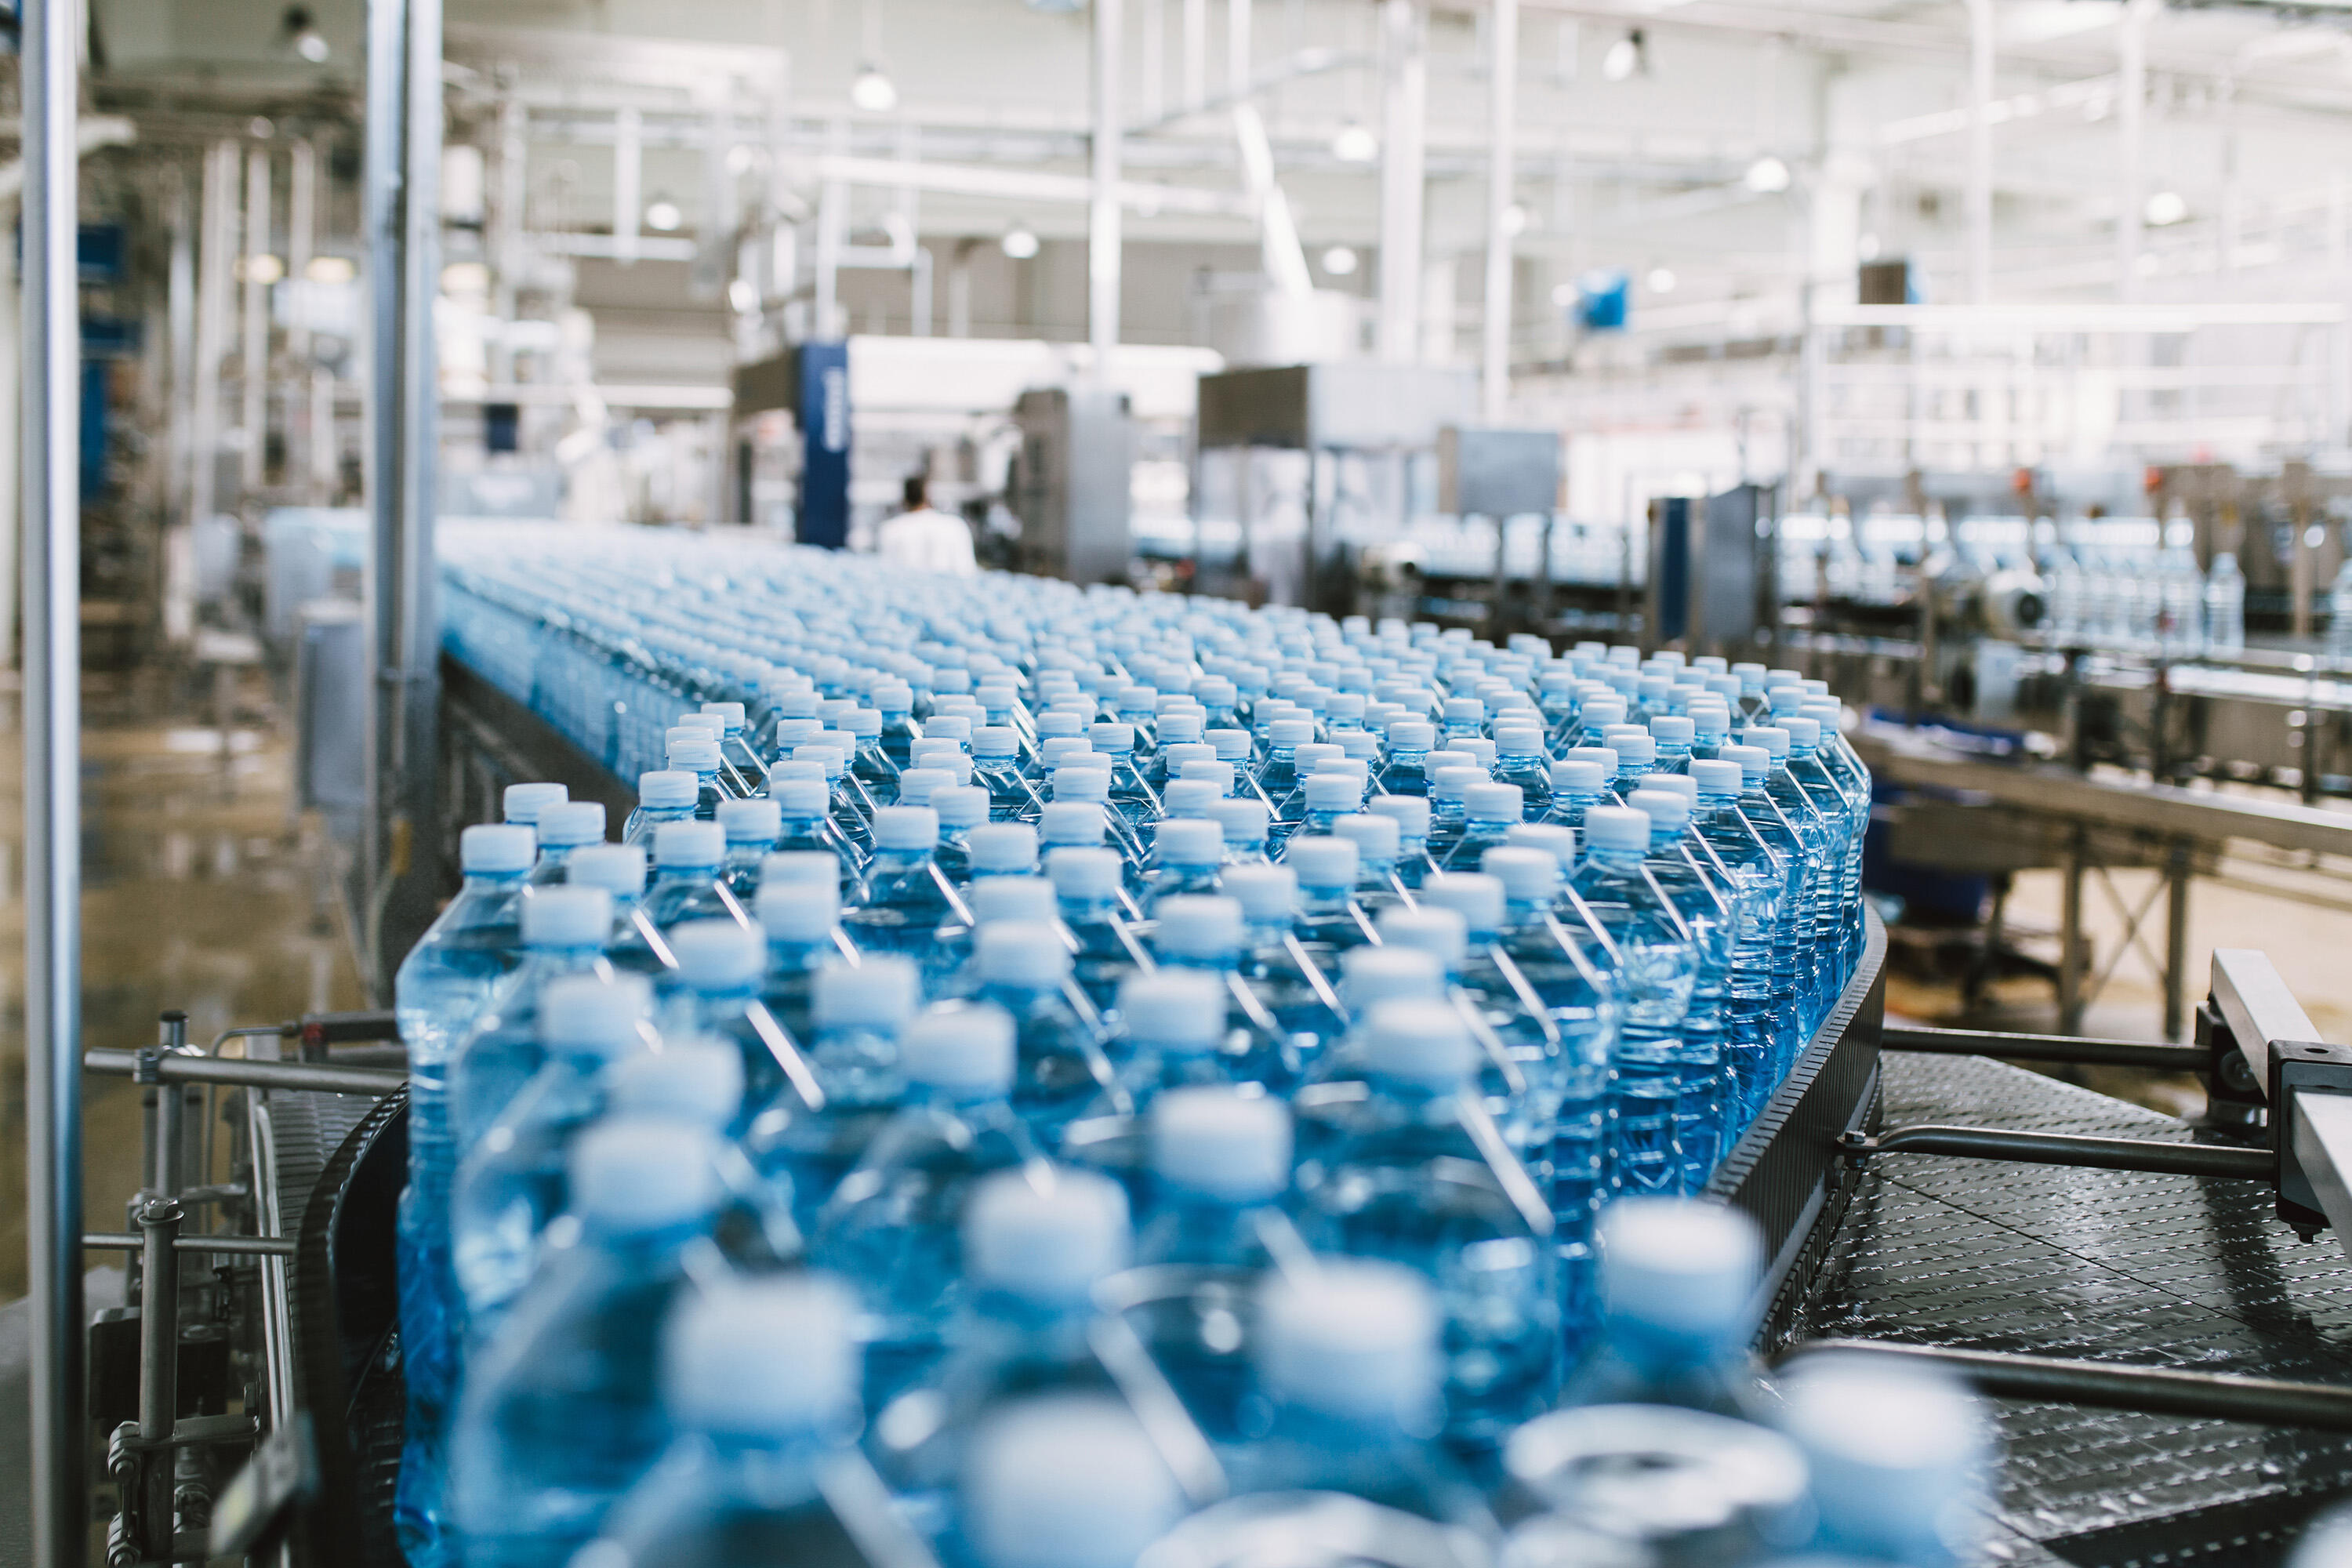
<point x="2150" y="1270"/>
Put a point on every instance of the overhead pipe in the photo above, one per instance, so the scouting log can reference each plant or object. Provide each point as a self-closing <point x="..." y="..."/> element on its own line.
<point x="51" y="509"/>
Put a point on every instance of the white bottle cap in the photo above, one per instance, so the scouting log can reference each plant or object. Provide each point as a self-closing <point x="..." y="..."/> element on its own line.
<point x="1899" y="1458"/>
<point x="995" y="741"/>
<point x="695" y="756"/>
<point x="757" y="821"/>
<point x="1667" y="809"/>
<point x="1715" y="776"/>
<point x="690" y="725"/>
<point x="1064" y="1480"/>
<point x="1804" y="733"/>
<point x="618" y="869"/>
<point x="637" y="1173"/>
<point x="1111" y="738"/>
<point x="1457" y="783"/>
<point x="596" y="1014"/>
<point x="1192" y="796"/>
<point x="1081" y="782"/>
<point x="1070" y="822"/>
<point x="1526" y="875"/>
<point x="1409" y="811"/>
<point x="567" y="917"/>
<point x="1672" y="729"/>
<point x="906" y="829"/>
<point x="1179" y="728"/>
<point x="1020" y="952"/>
<point x="1441" y="933"/>
<point x="1289" y="732"/>
<point x="1003" y="846"/>
<point x="1711" y="720"/>
<point x="1375" y="838"/>
<point x="962" y="1051"/>
<point x="1060" y="724"/>
<point x="491" y="849"/>
<point x="800" y="866"/>
<point x="688" y="846"/>
<point x="1617" y="827"/>
<point x="1083" y="874"/>
<point x="1323" y="862"/>
<point x="960" y="805"/>
<point x="1411" y="735"/>
<point x="829" y="757"/>
<point x="1195" y="927"/>
<point x="1371" y="975"/>
<point x="572" y="823"/>
<point x="667" y="789"/>
<point x="1682" y="784"/>
<point x="1228" y="1144"/>
<point x="1354" y="1338"/>
<point x="1178" y="1011"/>
<point x="1423" y="1042"/>
<point x="995" y="898"/>
<point x="1189" y="841"/>
<point x="523" y="802"/>
<point x="1773" y="738"/>
<point x="882" y="993"/>
<point x="716" y="955"/>
<point x="1637" y="750"/>
<point x="954" y="727"/>
<point x="915" y="784"/>
<point x="802" y="797"/>
<point x="1046" y="1235"/>
<point x="1678" y="1264"/>
<point x="730" y="713"/>
<point x="1241" y="819"/>
<point x="1493" y="802"/>
<point x="1476" y="897"/>
<point x="1338" y="790"/>
<point x="1233" y="745"/>
<point x="695" y="1080"/>
<point x="1268" y="895"/>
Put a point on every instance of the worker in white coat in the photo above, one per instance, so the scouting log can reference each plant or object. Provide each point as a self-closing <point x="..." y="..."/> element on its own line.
<point x="924" y="539"/>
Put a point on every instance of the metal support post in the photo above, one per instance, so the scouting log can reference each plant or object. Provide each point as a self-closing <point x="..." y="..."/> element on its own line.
<point x="1502" y="111"/>
<point x="1404" y="67"/>
<point x="403" y="196"/>
<point x="51" y="500"/>
<point x="253" y="360"/>
<point x="1103" y="214"/>
<point x="2176" y="942"/>
<point x="1979" y="186"/>
<point x="2069" y="941"/>
<point x="159" y="1318"/>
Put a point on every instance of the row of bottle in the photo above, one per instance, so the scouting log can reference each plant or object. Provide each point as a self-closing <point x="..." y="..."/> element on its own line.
<point x="1223" y="1307"/>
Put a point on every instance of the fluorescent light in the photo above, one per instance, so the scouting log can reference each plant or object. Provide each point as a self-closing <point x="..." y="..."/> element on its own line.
<point x="1339" y="261"/>
<point x="662" y="216"/>
<point x="1660" y="280"/>
<point x="873" y="90"/>
<point x="1515" y="221"/>
<point x="331" y="269"/>
<point x="2166" y="208"/>
<point x="1563" y="295"/>
<point x="1623" y="57"/>
<point x="742" y="296"/>
<point x="1867" y="248"/>
<point x="1020" y="242"/>
<point x="1765" y="176"/>
<point x="262" y="270"/>
<point x="1354" y="143"/>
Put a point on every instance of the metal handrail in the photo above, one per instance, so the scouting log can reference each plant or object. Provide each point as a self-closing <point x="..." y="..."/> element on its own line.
<point x="246" y="1074"/>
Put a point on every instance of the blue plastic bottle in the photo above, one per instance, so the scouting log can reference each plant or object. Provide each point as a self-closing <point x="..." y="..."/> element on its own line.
<point x="521" y="803"/>
<point x="1790" y="959"/>
<point x="1185" y="854"/>
<point x="562" y="1409"/>
<point x="1898" y="1457"/>
<point x="1062" y="1480"/>
<point x="1489" y="811"/>
<point x="1654" y="971"/>
<point x="1328" y="869"/>
<point x="564" y="932"/>
<point x="1759" y="881"/>
<point x="1282" y="978"/>
<point x="1406" y="772"/>
<point x="667" y="795"/>
<point x="1812" y="916"/>
<point x="563" y="828"/>
<point x="1087" y="883"/>
<point x="903" y="898"/>
<point x="685" y="880"/>
<point x="1023" y="968"/>
<point x="1173" y="1035"/>
<point x="815" y="1128"/>
<point x="1376" y="840"/>
<point x="1679" y="1281"/>
<point x="1703" y="1109"/>
<point x="751" y="829"/>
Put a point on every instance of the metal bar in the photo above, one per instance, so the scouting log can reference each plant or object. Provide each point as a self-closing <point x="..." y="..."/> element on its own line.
<point x="159" y="1318"/>
<point x="2147" y="1154"/>
<point x="249" y="1074"/>
<point x="253" y="359"/>
<point x="2069" y="942"/>
<point x="2257" y="1007"/>
<point x="2159" y="1390"/>
<point x="1502" y="111"/>
<point x="51" y="500"/>
<point x="2319" y="1133"/>
<point x="238" y="1245"/>
<point x="276" y="1305"/>
<point x="2042" y="1047"/>
<point x="2176" y="943"/>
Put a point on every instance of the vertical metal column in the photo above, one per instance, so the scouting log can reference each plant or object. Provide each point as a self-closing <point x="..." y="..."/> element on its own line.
<point x="1404" y="67"/>
<point x="253" y="362"/>
<point x="2070" y="939"/>
<point x="2131" y="120"/>
<point x="402" y="179"/>
<point x="1501" y="115"/>
<point x="1103" y="235"/>
<point x="1979" y="186"/>
<point x="51" y="502"/>
<point x="2176" y="875"/>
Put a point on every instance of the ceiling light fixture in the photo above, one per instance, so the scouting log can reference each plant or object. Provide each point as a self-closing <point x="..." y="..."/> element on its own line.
<point x="1020" y="242"/>
<point x="1515" y="221"/>
<point x="1626" y="57"/>
<point x="1866" y="248"/>
<point x="2166" y="208"/>
<point x="1660" y="280"/>
<point x="1340" y="261"/>
<point x="663" y="216"/>
<point x="1767" y="177"/>
<point x="302" y="36"/>
<point x="1354" y="143"/>
<point x="873" y="90"/>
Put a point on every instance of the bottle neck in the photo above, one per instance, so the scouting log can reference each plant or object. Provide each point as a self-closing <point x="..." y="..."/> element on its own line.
<point x="1611" y="859"/>
<point x="492" y="882"/>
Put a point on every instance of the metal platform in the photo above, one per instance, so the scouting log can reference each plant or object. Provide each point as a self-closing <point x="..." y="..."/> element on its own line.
<point x="2105" y="1266"/>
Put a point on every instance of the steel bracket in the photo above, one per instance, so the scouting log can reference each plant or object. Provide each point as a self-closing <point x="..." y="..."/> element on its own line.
<point x="2300" y="1068"/>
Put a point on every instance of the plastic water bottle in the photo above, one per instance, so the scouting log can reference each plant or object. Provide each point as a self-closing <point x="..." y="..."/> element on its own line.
<point x="562" y="1409"/>
<point x="1348" y="1357"/>
<point x="720" y="968"/>
<point x="511" y="1185"/>
<point x="1206" y="936"/>
<point x="1758" y="882"/>
<point x="1086" y="884"/>
<point x="1844" y="820"/>
<point x="903" y="899"/>
<point x="1174" y="1036"/>
<point x="1327" y="870"/>
<point x="1023" y="968"/>
<point x="1898" y="1456"/>
<point x="686" y="886"/>
<point x="891" y="1226"/>
<point x="997" y="849"/>
<point x="996" y="768"/>
<point x="446" y="980"/>
<point x="1655" y="970"/>
<point x="750" y="829"/>
<point x="1813" y="936"/>
<point x="1281" y="978"/>
<point x="562" y="828"/>
<point x="1679" y="1281"/>
<point x="1449" y="804"/>
<point x="564" y="932"/>
<point x="1331" y="791"/>
<point x="1220" y="1175"/>
<point x="1246" y="823"/>
<point x="817" y="1126"/>
<point x="1376" y="840"/>
<point x="633" y="946"/>
<point x="761" y="1437"/>
<point x="1710" y="923"/>
<point x="663" y="796"/>
<point x="1578" y="784"/>
<point x="1384" y="1192"/>
<point x="1489" y="811"/>
<point x="1063" y="1481"/>
<point x="1406" y="771"/>
<point x="1410" y="813"/>
<point x="1185" y="853"/>
<point x="799" y="919"/>
<point x="521" y="803"/>
<point x="2339" y="618"/>
<point x="701" y="758"/>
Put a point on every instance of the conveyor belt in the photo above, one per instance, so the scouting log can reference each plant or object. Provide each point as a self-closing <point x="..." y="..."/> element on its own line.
<point x="2151" y="1270"/>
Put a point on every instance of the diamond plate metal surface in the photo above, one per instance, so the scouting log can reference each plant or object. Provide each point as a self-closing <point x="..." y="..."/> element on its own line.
<point x="2150" y="1270"/>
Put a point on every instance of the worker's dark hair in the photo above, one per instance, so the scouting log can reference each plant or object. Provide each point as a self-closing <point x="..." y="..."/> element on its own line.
<point x="917" y="491"/>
